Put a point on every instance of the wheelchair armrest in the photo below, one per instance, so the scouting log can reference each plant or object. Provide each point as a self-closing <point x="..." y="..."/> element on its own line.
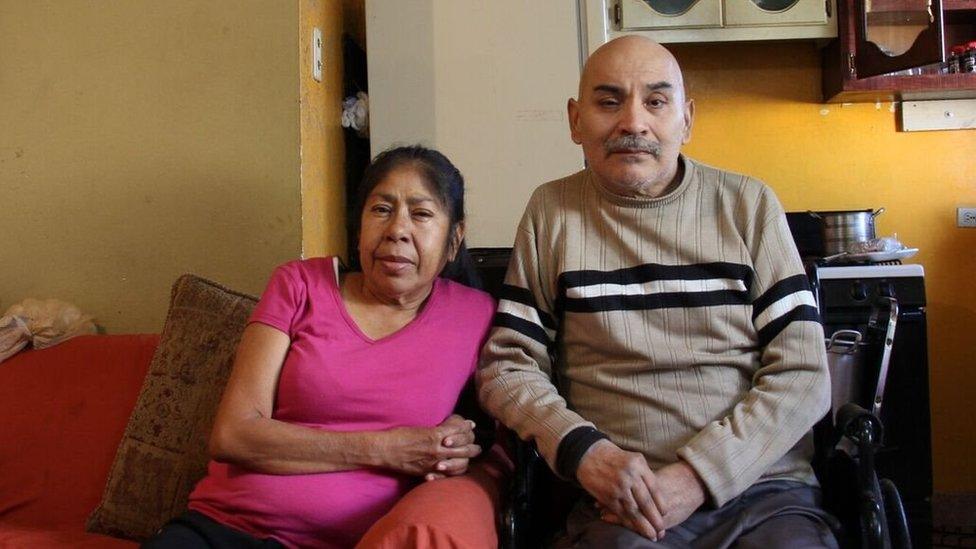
<point x="859" y="425"/>
<point x="864" y="429"/>
<point x="538" y="501"/>
<point x="516" y="510"/>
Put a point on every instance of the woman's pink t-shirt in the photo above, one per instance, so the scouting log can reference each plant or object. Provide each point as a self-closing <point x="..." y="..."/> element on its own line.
<point x="335" y="377"/>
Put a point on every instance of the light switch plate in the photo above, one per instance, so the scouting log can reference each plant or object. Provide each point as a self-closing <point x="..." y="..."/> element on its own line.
<point x="966" y="217"/>
<point x="317" y="54"/>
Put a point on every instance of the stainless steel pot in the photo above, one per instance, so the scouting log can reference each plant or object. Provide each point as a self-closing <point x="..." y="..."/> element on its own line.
<point x="845" y="358"/>
<point x="843" y="228"/>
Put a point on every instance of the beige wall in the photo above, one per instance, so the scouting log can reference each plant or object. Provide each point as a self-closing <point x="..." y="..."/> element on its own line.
<point x="486" y="88"/>
<point x="143" y="139"/>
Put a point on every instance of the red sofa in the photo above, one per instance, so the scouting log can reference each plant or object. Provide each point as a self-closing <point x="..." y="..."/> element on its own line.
<point x="63" y="411"/>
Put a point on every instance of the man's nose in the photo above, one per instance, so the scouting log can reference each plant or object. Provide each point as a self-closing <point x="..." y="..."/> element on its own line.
<point x="633" y="118"/>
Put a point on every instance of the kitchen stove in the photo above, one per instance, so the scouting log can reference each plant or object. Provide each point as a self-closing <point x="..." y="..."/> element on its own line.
<point x="858" y="297"/>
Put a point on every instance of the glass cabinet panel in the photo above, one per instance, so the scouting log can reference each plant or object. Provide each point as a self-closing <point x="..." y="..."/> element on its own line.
<point x="774" y="5"/>
<point x="897" y="34"/>
<point x="670" y="7"/>
<point x="661" y="14"/>
<point x="775" y="12"/>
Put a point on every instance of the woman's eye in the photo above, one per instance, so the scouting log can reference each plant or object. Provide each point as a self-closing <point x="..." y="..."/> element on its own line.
<point x="423" y="214"/>
<point x="380" y="209"/>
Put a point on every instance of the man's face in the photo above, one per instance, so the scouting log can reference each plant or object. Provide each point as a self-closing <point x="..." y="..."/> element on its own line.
<point x="632" y="117"/>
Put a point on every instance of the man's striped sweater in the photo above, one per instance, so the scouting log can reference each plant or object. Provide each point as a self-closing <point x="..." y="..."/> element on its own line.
<point x="679" y="326"/>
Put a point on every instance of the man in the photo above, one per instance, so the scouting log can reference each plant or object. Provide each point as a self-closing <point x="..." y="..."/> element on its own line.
<point x="667" y="302"/>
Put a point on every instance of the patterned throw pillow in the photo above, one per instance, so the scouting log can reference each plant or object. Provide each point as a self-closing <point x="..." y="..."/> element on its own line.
<point x="163" y="452"/>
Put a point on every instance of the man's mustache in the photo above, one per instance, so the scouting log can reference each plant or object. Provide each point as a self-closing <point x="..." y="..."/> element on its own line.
<point x="628" y="143"/>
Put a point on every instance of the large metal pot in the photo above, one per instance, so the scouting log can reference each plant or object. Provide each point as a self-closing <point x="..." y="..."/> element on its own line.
<point x="843" y="228"/>
<point x="845" y="359"/>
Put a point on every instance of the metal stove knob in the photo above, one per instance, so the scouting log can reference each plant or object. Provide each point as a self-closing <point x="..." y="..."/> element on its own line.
<point x="859" y="291"/>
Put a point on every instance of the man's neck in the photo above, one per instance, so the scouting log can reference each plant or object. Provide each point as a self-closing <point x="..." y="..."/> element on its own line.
<point x="650" y="189"/>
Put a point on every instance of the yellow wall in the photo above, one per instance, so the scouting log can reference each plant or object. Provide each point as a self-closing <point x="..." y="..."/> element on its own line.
<point x="144" y="139"/>
<point x="759" y="112"/>
<point x="323" y="148"/>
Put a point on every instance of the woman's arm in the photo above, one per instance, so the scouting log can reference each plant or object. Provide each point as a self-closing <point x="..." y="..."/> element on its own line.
<point x="245" y="434"/>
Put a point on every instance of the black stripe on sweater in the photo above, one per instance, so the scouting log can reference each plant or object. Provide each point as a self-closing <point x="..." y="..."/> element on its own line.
<point x="781" y="289"/>
<point x="773" y="329"/>
<point x="653" y="271"/>
<point x="525" y="297"/>
<point x="524" y="327"/>
<point x="654" y="301"/>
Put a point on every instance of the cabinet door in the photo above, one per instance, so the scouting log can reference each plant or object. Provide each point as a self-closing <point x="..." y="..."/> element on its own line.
<point x="892" y="35"/>
<point x="775" y="12"/>
<point x="670" y="14"/>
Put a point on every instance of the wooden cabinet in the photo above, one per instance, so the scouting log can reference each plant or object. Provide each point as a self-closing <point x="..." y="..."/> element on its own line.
<point x="891" y="50"/>
<point x="673" y="21"/>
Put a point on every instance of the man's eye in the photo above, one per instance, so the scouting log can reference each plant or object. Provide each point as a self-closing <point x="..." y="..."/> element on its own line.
<point x="608" y="102"/>
<point x="656" y="103"/>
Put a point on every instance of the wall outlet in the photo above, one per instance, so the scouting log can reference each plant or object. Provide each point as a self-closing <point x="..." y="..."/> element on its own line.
<point x="966" y="217"/>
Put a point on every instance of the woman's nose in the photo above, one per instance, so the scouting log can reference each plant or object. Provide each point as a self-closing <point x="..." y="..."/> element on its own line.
<point x="397" y="228"/>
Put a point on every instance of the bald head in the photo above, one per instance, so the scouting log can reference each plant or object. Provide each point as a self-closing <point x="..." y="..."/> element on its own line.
<point x="632" y="117"/>
<point x="628" y="54"/>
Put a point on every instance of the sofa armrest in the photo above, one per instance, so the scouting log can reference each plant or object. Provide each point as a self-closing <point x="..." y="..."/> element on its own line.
<point x="456" y="512"/>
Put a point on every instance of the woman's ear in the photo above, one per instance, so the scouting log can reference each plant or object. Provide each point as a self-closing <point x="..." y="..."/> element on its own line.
<point x="457" y="237"/>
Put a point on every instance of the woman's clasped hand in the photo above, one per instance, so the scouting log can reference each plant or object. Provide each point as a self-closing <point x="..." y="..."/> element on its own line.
<point x="433" y="453"/>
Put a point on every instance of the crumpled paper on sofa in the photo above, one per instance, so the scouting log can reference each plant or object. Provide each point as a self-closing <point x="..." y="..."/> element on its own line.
<point x="41" y="323"/>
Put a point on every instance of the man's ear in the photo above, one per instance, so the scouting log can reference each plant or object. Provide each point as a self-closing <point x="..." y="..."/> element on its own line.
<point x="573" y="113"/>
<point x="689" y="120"/>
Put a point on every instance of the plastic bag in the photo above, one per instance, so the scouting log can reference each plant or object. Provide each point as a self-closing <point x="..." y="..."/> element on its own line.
<point x="14" y="336"/>
<point x="885" y="245"/>
<point x="355" y="113"/>
<point x="42" y="323"/>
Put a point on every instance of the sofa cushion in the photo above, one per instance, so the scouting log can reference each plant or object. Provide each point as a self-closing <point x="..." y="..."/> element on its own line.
<point x="19" y="537"/>
<point x="62" y="413"/>
<point x="164" y="450"/>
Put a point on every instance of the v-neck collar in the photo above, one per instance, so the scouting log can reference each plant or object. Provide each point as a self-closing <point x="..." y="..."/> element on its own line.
<point x="354" y="327"/>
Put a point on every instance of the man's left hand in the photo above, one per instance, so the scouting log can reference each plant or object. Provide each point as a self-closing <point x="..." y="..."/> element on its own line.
<point x="680" y="491"/>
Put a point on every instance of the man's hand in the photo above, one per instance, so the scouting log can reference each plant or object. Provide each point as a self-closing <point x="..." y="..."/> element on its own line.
<point x="679" y="489"/>
<point x="623" y="485"/>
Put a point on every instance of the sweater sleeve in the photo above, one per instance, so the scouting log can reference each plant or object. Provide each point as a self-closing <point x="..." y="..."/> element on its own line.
<point x="515" y="376"/>
<point x="790" y="389"/>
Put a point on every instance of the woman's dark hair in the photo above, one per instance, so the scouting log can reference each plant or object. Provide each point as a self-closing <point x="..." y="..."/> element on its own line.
<point x="443" y="179"/>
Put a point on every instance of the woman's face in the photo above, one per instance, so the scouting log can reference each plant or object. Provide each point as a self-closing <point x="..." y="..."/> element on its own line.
<point x="403" y="236"/>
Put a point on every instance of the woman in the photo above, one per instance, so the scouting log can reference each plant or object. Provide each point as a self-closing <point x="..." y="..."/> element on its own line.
<point x="342" y="390"/>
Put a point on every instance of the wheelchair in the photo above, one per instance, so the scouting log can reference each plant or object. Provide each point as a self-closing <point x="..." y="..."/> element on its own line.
<point x="868" y="508"/>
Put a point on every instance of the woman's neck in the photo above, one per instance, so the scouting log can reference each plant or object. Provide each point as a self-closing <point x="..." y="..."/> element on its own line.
<point x="377" y="314"/>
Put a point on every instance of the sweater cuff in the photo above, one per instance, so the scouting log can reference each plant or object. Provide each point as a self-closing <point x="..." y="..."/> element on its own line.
<point x="572" y="447"/>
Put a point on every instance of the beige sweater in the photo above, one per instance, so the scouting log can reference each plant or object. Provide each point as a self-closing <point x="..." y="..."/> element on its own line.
<point x="678" y="326"/>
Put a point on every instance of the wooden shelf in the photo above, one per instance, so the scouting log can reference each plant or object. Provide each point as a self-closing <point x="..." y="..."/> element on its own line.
<point x="903" y="88"/>
<point x="958" y="5"/>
